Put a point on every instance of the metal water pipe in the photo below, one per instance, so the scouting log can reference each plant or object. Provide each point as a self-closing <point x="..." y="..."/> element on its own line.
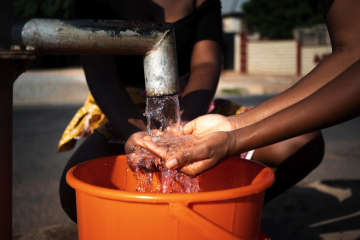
<point x="155" y="41"/>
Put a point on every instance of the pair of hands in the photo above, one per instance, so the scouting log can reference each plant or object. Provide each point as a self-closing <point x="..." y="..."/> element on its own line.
<point x="215" y="141"/>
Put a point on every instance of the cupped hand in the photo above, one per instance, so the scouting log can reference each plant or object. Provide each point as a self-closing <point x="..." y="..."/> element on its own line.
<point x="205" y="154"/>
<point x="132" y="139"/>
<point x="207" y="124"/>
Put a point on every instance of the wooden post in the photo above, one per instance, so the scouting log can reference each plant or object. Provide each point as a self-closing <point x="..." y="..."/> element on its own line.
<point x="243" y="53"/>
<point x="12" y="64"/>
<point x="298" y="59"/>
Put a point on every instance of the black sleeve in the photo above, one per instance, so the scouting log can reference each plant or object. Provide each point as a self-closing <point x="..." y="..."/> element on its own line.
<point x="93" y="9"/>
<point x="210" y="23"/>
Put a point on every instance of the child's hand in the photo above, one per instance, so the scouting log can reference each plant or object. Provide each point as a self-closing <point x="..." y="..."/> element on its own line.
<point x="207" y="124"/>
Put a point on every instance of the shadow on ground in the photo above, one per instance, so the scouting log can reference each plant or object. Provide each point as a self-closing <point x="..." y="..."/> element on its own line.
<point x="56" y="232"/>
<point x="326" y="210"/>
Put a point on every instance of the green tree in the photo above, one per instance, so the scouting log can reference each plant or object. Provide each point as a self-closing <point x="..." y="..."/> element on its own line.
<point x="44" y="8"/>
<point x="276" y="19"/>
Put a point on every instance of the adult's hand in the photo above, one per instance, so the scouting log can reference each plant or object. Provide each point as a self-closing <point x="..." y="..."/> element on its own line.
<point x="144" y="135"/>
<point x="205" y="154"/>
<point x="132" y="139"/>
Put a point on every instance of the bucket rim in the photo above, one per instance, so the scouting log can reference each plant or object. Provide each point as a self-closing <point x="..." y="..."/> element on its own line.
<point x="209" y="196"/>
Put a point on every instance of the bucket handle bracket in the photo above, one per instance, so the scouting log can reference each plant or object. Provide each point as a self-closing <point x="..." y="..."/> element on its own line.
<point x="199" y="224"/>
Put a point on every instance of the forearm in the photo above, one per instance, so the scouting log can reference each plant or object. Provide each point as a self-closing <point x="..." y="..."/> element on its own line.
<point x="111" y="96"/>
<point x="336" y="102"/>
<point x="324" y="72"/>
<point x="200" y="90"/>
<point x="120" y="110"/>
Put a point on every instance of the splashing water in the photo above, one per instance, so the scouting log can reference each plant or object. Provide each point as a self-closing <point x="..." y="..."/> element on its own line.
<point x="153" y="176"/>
<point x="163" y="124"/>
<point x="162" y="114"/>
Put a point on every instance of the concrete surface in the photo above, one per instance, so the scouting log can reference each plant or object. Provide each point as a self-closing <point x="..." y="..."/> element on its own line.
<point x="68" y="86"/>
<point x="325" y="205"/>
<point x="253" y="85"/>
<point x="54" y="232"/>
<point x="50" y="87"/>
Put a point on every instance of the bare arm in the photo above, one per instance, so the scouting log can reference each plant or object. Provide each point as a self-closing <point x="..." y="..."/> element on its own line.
<point x="204" y="77"/>
<point x="334" y="103"/>
<point x="102" y="78"/>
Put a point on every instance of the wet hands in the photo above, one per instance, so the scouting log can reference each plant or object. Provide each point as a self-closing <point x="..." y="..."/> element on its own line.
<point x="130" y="143"/>
<point x="213" y="141"/>
<point x="156" y="134"/>
<point x="204" y="153"/>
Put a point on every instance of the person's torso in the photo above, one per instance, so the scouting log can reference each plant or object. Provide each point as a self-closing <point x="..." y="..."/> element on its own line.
<point x="185" y="14"/>
<point x="153" y="11"/>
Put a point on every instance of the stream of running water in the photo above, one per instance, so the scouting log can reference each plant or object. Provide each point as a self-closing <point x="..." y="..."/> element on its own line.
<point x="162" y="115"/>
<point x="163" y="125"/>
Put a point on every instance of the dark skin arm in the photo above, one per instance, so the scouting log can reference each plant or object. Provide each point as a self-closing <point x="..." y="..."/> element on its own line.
<point x="205" y="68"/>
<point x="204" y="77"/>
<point x="334" y="103"/>
<point x="108" y="92"/>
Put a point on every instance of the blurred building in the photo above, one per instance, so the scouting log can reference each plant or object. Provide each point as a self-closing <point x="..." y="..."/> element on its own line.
<point x="233" y="26"/>
<point x="315" y="35"/>
<point x="315" y="45"/>
<point x="248" y="54"/>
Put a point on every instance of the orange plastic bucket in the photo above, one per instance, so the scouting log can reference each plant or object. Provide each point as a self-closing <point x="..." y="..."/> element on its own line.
<point x="228" y="207"/>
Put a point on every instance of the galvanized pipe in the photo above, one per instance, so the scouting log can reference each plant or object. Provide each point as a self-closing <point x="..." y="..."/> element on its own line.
<point x="160" y="65"/>
<point x="155" y="41"/>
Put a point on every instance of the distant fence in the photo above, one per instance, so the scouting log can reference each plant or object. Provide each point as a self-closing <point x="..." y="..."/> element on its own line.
<point x="311" y="56"/>
<point x="276" y="57"/>
<point x="272" y="57"/>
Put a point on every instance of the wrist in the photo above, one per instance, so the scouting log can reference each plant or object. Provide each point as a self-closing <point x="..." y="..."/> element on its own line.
<point x="245" y="119"/>
<point x="235" y="122"/>
<point x="232" y="144"/>
<point x="238" y="142"/>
